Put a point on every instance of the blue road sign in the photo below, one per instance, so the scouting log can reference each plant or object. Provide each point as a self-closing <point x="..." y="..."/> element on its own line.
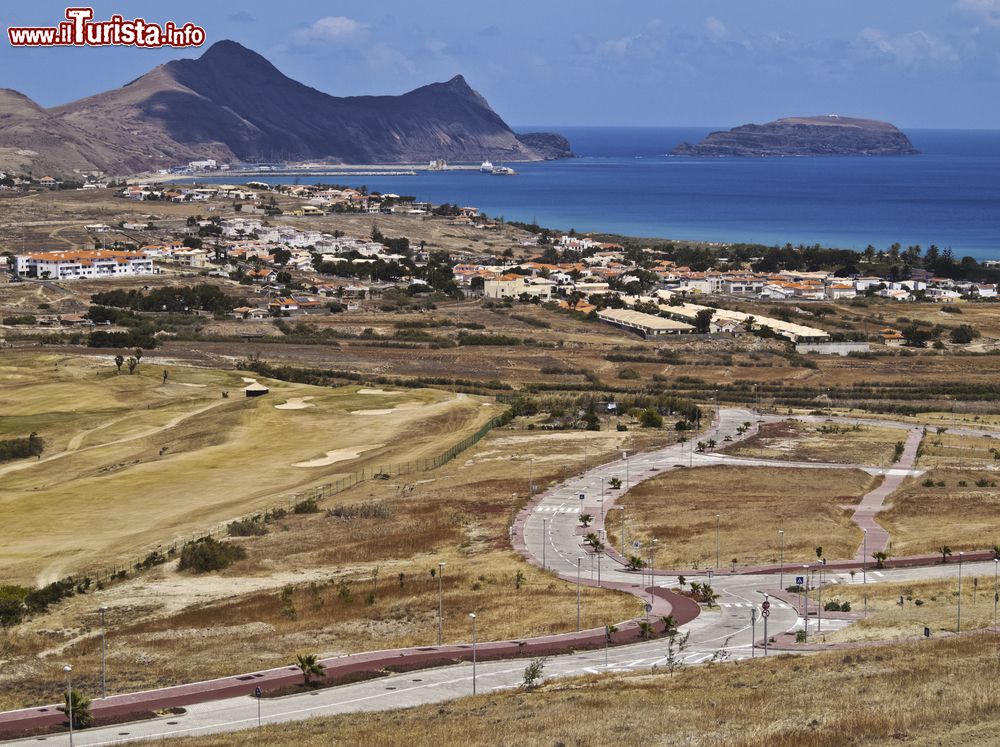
<point x="800" y="580"/>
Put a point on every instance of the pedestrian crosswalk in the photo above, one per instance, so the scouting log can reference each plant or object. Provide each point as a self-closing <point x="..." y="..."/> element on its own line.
<point x="748" y="605"/>
<point x="558" y="509"/>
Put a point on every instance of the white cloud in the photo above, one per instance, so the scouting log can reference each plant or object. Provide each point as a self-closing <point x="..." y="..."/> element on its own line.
<point x="985" y="11"/>
<point x="912" y="50"/>
<point x="716" y="28"/>
<point x="330" y="30"/>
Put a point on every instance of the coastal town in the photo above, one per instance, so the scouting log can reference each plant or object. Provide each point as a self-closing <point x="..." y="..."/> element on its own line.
<point x="290" y="270"/>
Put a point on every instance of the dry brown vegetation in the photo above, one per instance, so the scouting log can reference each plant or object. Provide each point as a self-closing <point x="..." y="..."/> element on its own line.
<point x="933" y="604"/>
<point x="679" y="509"/>
<point x="931" y="693"/>
<point x="947" y="450"/>
<point x="458" y="514"/>
<point x="923" y="518"/>
<point x="798" y="441"/>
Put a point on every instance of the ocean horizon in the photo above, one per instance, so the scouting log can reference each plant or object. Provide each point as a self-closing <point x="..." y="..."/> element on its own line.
<point x="622" y="181"/>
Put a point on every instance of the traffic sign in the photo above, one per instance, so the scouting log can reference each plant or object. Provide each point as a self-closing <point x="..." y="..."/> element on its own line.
<point x="766" y="605"/>
<point x="649" y="607"/>
<point x="636" y="544"/>
<point x="257" y="693"/>
<point x="799" y="580"/>
<point x="765" y="613"/>
<point x="582" y="496"/>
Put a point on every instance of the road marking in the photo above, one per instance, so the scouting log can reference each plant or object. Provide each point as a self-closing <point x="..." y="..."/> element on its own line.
<point x="877" y="573"/>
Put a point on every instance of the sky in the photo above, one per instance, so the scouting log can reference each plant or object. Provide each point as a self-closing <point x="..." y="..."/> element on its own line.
<point x="916" y="63"/>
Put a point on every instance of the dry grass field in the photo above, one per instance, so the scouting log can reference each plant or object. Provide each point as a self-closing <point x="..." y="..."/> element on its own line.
<point x="133" y="461"/>
<point x="458" y="514"/>
<point x="923" y="518"/>
<point x="925" y="603"/>
<point x="934" y="693"/>
<point x="753" y="503"/>
<point x="796" y="441"/>
<point x="944" y="450"/>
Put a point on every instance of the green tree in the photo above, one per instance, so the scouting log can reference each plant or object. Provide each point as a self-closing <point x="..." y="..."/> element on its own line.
<point x="310" y="666"/>
<point x="945" y="552"/>
<point x="585" y="520"/>
<point x="119" y="361"/>
<point x="132" y="363"/>
<point x="651" y="419"/>
<point x="533" y="673"/>
<point x="703" y="321"/>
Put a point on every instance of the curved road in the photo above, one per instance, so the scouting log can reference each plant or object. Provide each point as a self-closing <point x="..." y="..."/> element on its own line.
<point x="547" y="533"/>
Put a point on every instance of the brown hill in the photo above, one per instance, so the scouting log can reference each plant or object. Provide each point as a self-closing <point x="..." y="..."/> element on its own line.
<point x="231" y="104"/>
<point x="829" y="135"/>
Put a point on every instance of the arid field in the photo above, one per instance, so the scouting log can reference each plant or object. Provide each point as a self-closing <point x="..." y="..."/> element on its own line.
<point x="678" y="508"/>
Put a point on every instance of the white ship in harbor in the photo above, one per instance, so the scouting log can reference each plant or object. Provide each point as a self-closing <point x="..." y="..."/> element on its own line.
<point x="487" y="167"/>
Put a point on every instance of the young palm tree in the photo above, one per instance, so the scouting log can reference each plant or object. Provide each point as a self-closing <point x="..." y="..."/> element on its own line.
<point x="311" y="667"/>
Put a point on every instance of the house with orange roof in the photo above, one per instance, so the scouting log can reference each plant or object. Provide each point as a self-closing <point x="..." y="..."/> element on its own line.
<point x="84" y="263"/>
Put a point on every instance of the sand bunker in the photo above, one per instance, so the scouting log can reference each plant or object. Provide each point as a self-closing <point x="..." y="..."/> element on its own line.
<point x="338" y="455"/>
<point x="249" y="381"/>
<point x="182" y="383"/>
<point x="295" y="403"/>
<point x="390" y="410"/>
<point x="372" y="391"/>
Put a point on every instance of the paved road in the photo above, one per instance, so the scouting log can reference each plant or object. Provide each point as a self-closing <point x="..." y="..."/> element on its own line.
<point x="550" y="532"/>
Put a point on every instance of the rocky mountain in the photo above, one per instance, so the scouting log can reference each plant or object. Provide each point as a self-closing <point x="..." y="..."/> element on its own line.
<point x="829" y="135"/>
<point x="231" y="104"/>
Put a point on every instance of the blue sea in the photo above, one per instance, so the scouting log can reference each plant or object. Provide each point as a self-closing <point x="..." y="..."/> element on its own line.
<point x="622" y="182"/>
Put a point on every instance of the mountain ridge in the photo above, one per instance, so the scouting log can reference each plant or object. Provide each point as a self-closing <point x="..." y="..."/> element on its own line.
<point x="232" y="104"/>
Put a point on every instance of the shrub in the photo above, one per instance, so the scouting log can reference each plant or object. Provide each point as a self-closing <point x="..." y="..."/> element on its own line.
<point x="252" y="527"/>
<point x="628" y="373"/>
<point x="308" y="506"/>
<point x="209" y="554"/>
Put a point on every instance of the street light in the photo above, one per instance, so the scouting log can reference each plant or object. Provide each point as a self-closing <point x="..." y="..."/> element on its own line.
<point x="805" y="569"/>
<point x="440" y="603"/>
<point x="104" y="655"/>
<point x="765" y="616"/>
<point x="864" y="558"/>
<point x="958" y="627"/>
<point x="781" y="577"/>
<point x="717" y="540"/>
<point x="69" y="700"/>
<point x="625" y="457"/>
<point x="578" y="594"/>
<point x="652" y="569"/>
<point x="472" y="615"/>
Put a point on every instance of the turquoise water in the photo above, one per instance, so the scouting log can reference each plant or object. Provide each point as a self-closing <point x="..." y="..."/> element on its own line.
<point x="623" y="183"/>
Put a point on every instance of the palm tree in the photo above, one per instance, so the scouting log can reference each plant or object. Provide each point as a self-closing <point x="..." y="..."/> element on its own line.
<point x="586" y="519"/>
<point x="82" y="717"/>
<point x="635" y="563"/>
<point x="945" y="552"/>
<point x="119" y="361"/>
<point x="311" y="667"/>
<point x="879" y="558"/>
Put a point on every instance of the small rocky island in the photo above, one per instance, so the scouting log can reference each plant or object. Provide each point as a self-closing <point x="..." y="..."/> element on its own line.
<point x="829" y="135"/>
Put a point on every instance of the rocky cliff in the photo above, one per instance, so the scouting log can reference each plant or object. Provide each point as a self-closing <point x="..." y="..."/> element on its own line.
<point x="830" y="135"/>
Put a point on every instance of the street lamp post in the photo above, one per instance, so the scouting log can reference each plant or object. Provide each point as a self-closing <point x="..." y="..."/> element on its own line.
<point x="104" y="655"/>
<point x="753" y="631"/>
<point x="598" y="552"/>
<point x="805" y="614"/>
<point x="996" y="595"/>
<point x="623" y="530"/>
<point x="440" y="603"/>
<point x="765" y="626"/>
<point x="472" y="616"/>
<point x="652" y="569"/>
<point x="717" y="540"/>
<point x="578" y="594"/>
<point x="69" y="699"/>
<point x="958" y="627"/>
<point x="864" y="559"/>
<point x="625" y="457"/>
<point x="781" y="577"/>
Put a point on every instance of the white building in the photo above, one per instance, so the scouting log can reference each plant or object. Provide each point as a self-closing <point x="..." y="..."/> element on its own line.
<point x="93" y="263"/>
